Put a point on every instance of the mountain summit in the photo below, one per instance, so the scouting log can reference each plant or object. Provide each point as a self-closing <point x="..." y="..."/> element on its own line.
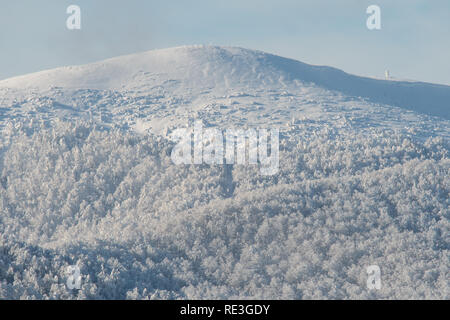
<point x="199" y="68"/>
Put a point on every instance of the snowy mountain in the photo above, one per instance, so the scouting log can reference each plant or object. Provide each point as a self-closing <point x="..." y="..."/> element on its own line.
<point x="87" y="178"/>
<point x="199" y="68"/>
<point x="219" y="85"/>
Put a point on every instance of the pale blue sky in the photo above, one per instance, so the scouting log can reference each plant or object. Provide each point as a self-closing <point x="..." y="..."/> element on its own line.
<point x="414" y="42"/>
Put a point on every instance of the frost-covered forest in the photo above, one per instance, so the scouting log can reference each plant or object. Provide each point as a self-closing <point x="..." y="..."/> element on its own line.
<point x="141" y="227"/>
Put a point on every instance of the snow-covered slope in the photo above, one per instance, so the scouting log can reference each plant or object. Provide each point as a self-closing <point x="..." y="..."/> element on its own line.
<point x="86" y="178"/>
<point x="197" y="68"/>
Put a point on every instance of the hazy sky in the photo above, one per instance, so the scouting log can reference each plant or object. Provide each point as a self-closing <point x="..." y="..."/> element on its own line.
<point x="414" y="42"/>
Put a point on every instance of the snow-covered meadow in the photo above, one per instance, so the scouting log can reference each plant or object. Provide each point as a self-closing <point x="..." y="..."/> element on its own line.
<point x="87" y="179"/>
